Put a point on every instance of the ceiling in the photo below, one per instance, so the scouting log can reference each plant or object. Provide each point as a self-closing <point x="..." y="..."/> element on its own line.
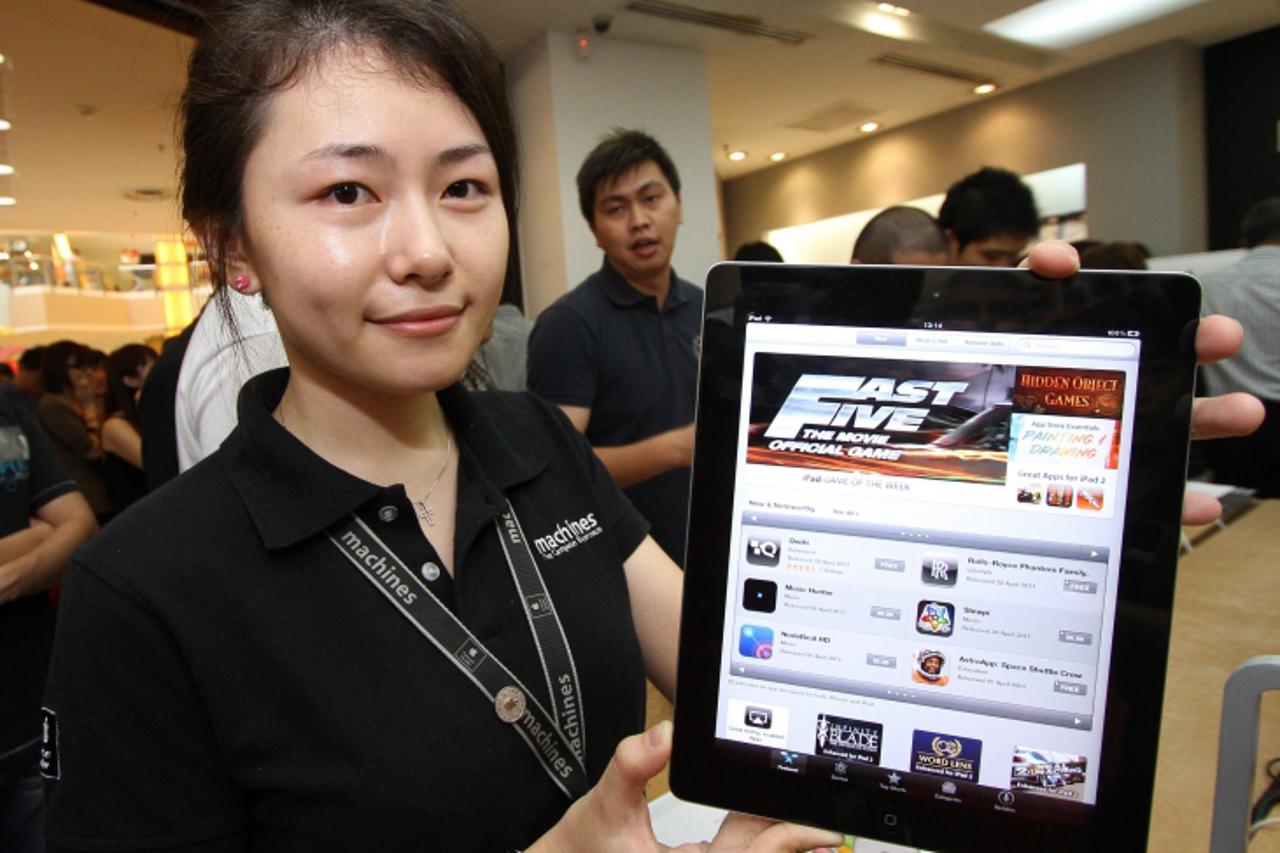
<point x="91" y="91"/>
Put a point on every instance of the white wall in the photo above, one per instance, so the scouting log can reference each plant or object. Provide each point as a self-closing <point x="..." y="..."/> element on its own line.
<point x="563" y="106"/>
<point x="542" y="258"/>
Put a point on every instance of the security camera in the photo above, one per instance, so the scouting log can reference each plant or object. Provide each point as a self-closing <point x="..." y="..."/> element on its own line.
<point x="602" y="23"/>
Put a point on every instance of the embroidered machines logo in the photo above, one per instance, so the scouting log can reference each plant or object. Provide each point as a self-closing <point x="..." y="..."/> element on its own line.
<point x="568" y="534"/>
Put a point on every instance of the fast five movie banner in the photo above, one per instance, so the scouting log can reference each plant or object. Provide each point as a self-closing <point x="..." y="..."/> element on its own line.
<point x="940" y="420"/>
<point x="937" y="420"/>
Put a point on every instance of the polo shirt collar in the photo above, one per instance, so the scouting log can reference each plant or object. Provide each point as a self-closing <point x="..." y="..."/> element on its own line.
<point x="621" y="293"/>
<point x="291" y="493"/>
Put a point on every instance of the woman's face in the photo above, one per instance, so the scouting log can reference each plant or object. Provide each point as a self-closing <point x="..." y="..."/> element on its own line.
<point x="375" y="226"/>
<point x="81" y="375"/>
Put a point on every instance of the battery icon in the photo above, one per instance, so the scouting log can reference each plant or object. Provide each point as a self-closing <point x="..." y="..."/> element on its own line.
<point x="1132" y="333"/>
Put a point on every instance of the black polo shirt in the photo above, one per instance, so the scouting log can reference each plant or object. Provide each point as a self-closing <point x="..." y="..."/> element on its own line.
<point x="607" y="346"/>
<point x="223" y="678"/>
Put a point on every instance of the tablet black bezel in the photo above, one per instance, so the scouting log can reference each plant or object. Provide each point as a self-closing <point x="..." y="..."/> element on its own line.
<point x="1163" y="309"/>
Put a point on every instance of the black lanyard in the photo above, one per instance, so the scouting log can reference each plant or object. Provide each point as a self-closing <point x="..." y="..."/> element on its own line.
<point x="558" y="741"/>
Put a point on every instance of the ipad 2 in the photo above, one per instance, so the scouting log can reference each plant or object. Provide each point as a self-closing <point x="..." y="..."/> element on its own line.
<point x="933" y="529"/>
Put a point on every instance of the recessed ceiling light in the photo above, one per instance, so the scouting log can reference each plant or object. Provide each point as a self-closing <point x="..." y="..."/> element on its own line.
<point x="890" y="9"/>
<point x="778" y="156"/>
<point x="984" y="88"/>
<point x="1059" y="24"/>
<point x="4" y="124"/>
<point x="7" y="201"/>
<point x="6" y="169"/>
<point x="868" y="126"/>
<point x="735" y="156"/>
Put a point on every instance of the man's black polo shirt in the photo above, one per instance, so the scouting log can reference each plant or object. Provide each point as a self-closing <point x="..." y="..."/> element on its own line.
<point x="606" y="346"/>
<point x="223" y="678"/>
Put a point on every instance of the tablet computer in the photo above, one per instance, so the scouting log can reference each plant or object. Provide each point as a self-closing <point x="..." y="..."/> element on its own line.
<point x="933" y="528"/>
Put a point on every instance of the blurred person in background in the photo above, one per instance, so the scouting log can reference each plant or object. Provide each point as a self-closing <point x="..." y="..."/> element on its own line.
<point x="93" y="397"/>
<point x="42" y="520"/>
<point x="127" y="369"/>
<point x="68" y="381"/>
<point x="1249" y="291"/>
<point x="758" y="251"/>
<point x="989" y="217"/>
<point x="28" y="385"/>
<point x="901" y="235"/>
<point x="1114" y="256"/>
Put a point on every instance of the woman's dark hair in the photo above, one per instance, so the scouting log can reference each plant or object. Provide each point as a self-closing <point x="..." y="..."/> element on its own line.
<point x="59" y="358"/>
<point x="125" y="363"/>
<point x="252" y="49"/>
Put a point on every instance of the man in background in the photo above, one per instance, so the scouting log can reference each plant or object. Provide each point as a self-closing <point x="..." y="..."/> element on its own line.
<point x="1249" y="291"/>
<point x="27" y="386"/>
<point x="901" y="235"/>
<point x="989" y="217"/>
<point x="618" y="353"/>
<point x="42" y="520"/>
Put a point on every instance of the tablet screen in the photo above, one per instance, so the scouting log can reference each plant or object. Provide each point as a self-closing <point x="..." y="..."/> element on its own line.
<point x="924" y="550"/>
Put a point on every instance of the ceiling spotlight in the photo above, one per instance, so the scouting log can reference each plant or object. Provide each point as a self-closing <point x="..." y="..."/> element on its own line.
<point x="4" y="124"/>
<point x="984" y="88"/>
<point x="7" y="201"/>
<point x="778" y="156"/>
<point x="6" y="169"/>
<point x="890" y="9"/>
<point x="868" y="126"/>
<point x="735" y="156"/>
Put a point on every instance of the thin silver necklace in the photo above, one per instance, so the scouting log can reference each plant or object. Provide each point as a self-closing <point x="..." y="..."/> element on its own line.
<point x="425" y="512"/>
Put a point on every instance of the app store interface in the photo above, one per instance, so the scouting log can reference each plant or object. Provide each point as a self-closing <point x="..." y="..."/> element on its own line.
<point x="924" y="557"/>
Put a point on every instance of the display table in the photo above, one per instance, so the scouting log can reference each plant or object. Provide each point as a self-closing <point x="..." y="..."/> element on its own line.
<point x="1227" y="610"/>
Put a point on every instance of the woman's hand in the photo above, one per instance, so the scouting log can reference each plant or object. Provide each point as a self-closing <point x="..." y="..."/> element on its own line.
<point x="614" y="815"/>
<point x="1217" y="337"/>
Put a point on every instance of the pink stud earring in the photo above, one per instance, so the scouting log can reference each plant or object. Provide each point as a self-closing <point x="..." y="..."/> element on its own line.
<point x="240" y="283"/>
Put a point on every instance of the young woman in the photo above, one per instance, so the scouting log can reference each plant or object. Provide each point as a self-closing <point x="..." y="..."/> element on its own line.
<point x="69" y="416"/>
<point x="253" y="656"/>
<point x="127" y="369"/>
